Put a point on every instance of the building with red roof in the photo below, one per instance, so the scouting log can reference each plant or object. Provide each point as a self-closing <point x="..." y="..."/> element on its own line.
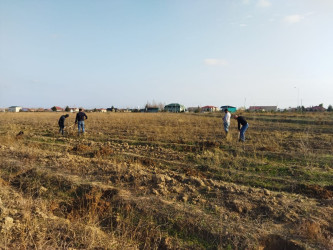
<point x="209" y="109"/>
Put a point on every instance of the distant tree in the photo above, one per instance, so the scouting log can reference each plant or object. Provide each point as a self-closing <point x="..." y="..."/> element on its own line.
<point x="155" y="104"/>
<point x="148" y="105"/>
<point x="67" y="109"/>
<point x="110" y="109"/>
<point x="160" y="105"/>
<point x="321" y="105"/>
<point x="54" y="108"/>
<point x="330" y="108"/>
<point x="197" y="110"/>
<point x="95" y="110"/>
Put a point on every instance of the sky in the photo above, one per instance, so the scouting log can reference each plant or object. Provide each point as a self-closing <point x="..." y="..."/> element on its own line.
<point x="125" y="53"/>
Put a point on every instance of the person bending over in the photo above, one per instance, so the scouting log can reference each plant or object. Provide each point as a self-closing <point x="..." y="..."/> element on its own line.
<point x="245" y="125"/>
<point x="61" y="123"/>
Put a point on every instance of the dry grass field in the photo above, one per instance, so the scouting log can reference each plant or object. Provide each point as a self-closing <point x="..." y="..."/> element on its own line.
<point x="166" y="181"/>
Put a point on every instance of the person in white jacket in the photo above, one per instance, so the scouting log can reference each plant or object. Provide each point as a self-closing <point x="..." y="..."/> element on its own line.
<point x="226" y="120"/>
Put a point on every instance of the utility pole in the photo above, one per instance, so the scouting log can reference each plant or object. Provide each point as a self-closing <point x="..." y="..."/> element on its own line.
<point x="297" y="97"/>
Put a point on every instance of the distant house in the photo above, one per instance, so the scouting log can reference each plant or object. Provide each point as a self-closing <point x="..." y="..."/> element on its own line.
<point x="27" y="110"/>
<point x="14" y="109"/>
<point x="124" y="110"/>
<point x="2" y="110"/>
<point x="73" y="110"/>
<point x="292" y="109"/>
<point x="152" y="110"/>
<point x="136" y="110"/>
<point x="231" y="109"/>
<point x="174" y="107"/>
<point x="112" y="109"/>
<point x="209" y="109"/>
<point x="101" y="110"/>
<point x="57" y="109"/>
<point x="315" y="109"/>
<point x="263" y="108"/>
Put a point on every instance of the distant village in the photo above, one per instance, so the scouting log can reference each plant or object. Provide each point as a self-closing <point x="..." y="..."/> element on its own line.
<point x="173" y="107"/>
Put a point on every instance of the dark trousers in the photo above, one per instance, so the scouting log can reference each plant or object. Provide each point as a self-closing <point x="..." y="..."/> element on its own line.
<point x="61" y="129"/>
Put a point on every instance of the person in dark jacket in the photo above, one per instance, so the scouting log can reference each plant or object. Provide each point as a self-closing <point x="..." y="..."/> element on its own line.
<point x="245" y="125"/>
<point x="61" y="123"/>
<point x="80" y="120"/>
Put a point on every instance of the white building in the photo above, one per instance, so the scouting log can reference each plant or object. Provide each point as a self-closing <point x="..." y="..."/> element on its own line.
<point x="14" y="109"/>
<point x="73" y="110"/>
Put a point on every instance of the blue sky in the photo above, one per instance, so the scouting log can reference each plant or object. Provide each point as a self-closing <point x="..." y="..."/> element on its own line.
<point x="196" y="52"/>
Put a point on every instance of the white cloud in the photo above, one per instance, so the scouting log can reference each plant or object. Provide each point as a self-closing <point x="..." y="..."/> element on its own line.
<point x="243" y="25"/>
<point x="246" y="1"/>
<point x="263" y="3"/>
<point x="293" y="19"/>
<point x="215" y="62"/>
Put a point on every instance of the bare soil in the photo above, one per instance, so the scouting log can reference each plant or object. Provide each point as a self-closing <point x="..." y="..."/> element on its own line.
<point x="168" y="181"/>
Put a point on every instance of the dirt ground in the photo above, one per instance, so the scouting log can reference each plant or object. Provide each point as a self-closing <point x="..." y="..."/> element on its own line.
<point x="166" y="181"/>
